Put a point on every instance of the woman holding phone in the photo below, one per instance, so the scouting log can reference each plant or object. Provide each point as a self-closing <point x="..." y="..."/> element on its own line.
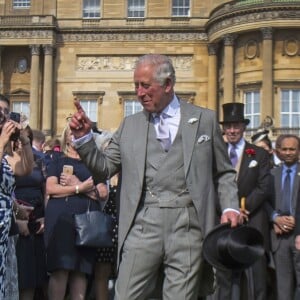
<point x="16" y="159"/>
<point x="70" y="188"/>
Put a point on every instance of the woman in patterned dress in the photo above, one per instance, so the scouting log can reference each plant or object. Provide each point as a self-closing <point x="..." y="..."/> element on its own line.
<point x="16" y="159"/>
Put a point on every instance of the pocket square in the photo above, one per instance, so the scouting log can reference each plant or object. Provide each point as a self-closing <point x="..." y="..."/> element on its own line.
<point x="253" y="163"/>
<point x="203" y="138"/>
<point x="192" y="120"/>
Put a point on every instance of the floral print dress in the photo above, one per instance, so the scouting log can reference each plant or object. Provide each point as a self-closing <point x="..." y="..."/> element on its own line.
<point x="7" y="185"/>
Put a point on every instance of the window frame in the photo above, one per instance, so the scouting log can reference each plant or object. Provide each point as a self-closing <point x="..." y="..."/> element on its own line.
<point x="180" y="7"/>
<point x="87" y="12"/>
<point x="253" y="116"/>
<point x="90" y="96"/>
<point x="290" y="113"/>
<point x="21" y="4"/>
<point x="139" y="6"/>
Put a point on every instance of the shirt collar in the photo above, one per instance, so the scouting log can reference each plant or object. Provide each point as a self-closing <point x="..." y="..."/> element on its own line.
<point x="239" y="145"/>
<point x="172" y="109"/>
<point x="292" y="167"/>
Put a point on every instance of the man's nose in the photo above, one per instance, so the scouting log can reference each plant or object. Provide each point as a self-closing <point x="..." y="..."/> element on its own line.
<point x="140" y="90"/>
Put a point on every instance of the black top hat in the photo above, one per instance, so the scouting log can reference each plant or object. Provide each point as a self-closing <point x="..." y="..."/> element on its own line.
<point x="234" y="112"/>
<point x="234" y="248"/>
<point x="259" y="135"/>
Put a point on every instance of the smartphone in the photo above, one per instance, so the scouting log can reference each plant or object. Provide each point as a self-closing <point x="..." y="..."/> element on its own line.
<point x="68" y="169"/>
<point x="17" y="118"/>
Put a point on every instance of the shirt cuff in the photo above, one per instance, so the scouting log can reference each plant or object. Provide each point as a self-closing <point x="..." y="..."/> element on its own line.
<point x="230" y="209"/>
<point x="82" y="140"/>
<point x="275" y="214"/>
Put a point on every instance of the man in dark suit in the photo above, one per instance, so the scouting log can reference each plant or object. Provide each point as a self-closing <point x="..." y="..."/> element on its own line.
<point x="173" y="160"/>
<point x="253" y="180"/>
<point x="282" y="211"/>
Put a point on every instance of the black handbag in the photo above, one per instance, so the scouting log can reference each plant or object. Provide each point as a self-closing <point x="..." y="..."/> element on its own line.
<point x="94" y="229"/>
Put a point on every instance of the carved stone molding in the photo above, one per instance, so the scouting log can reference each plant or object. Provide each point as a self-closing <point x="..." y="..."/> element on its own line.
<point x="125" y="63"/>
<point x="35" y="49"/>
<point x="212" y="49"/>
<point x="27" y="34"/>
<point x="290" y="47"/>
<point x="48" y="49"/>
<point x="132" y="36"/>
<point x="251" y="49"/>
<point x="267" y="33"/>
<point x="229" y="39"/>
<point x="251" y="16"/>
<point x="88" y="95"/>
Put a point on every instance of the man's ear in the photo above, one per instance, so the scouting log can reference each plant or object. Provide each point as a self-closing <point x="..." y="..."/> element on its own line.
<point x="168" y="85"/>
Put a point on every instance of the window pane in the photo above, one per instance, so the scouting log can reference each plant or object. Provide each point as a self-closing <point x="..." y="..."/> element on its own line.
<point x="21" y="107"/>
<point x="290" y="108"/>
<point x="21" y="3"/>
<point x="91" y="9"/>
<point x="284" y="120"/>
<point x="252" y="108"/>
<point x="131" y="107"/>
<point x="180" y="8"/>
<point x="91" y="108"/>
<point x="136" y="9"/>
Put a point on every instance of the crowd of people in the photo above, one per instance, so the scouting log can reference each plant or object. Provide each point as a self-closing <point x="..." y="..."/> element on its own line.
<point x="179" y="173"/>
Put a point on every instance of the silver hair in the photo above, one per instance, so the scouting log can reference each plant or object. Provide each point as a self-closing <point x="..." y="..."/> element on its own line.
<point x="163" y="67"/>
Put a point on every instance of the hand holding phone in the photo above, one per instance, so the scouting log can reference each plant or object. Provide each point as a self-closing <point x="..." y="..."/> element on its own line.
<point x="68" y="169"/>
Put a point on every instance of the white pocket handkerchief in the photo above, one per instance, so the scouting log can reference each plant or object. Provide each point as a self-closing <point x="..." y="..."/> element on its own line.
<point x="192" y="120"/>
<point x="253" y="163"/>
<point x="203" y="138"/>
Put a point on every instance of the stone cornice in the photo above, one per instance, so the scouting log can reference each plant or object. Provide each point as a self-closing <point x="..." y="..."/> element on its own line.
<point x="131" y="36"/>
<point x="231" y="19"/>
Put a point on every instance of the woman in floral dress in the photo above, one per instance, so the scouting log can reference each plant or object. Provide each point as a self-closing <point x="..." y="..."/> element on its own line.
<point x="16" y="159"/>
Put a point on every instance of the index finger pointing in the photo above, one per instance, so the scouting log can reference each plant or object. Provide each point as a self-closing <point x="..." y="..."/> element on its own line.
<point x="78" y="106"/>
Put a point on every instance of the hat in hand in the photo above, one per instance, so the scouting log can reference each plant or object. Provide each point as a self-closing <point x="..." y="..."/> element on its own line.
<point x="234" y="248"/>
<point x="234" y="113"/>
<point x="259" y="135"/>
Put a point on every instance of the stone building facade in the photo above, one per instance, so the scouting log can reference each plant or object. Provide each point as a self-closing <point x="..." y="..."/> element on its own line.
<point x="245" y="51"/>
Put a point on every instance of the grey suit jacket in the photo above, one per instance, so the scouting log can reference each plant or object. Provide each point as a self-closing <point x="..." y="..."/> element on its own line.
<point x="206" y="164"/>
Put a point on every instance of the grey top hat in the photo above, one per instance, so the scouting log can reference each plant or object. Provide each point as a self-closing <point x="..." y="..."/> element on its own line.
<point x="234" y="248"/>
<point x="234" y="112"/>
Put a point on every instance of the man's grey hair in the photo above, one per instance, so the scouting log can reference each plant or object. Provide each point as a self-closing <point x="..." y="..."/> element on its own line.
<point x="163" y="67"/>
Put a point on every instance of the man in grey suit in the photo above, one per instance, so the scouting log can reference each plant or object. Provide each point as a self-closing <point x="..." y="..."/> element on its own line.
<point x="173" y="161"/>
<point x="282" y="211"/>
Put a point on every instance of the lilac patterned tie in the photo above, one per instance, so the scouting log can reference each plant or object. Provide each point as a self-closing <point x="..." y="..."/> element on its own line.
<point x="163" y="132"/>
<point x="233" y="156"/>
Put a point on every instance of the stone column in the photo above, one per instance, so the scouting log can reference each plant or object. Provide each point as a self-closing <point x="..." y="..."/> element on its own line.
<point x="47" y="112"/>
<point x="212" y="76"/>
<point x="228" y="83"/>
<point x="34" y="87"/>
<point x="266" y="101"/>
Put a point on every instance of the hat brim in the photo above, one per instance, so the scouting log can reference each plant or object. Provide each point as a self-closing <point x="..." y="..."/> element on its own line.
<point x="237" y="248"/>
<point x="245" y="121"/>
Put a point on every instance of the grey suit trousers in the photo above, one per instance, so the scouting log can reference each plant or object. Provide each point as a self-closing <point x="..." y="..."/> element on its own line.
<point x="167" y="239"/>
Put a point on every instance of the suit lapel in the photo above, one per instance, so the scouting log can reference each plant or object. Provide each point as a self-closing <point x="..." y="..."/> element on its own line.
<point x="140" y="144"/>
<point x="295" y="189"/>
<point x="189" y="132"/>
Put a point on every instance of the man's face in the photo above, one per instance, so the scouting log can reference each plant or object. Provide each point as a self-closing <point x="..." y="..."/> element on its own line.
<point x="234" y="131"/>
<point x="153" y="96"/>
<point x="288" y="151"/>
<point x="4" y="111"/>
